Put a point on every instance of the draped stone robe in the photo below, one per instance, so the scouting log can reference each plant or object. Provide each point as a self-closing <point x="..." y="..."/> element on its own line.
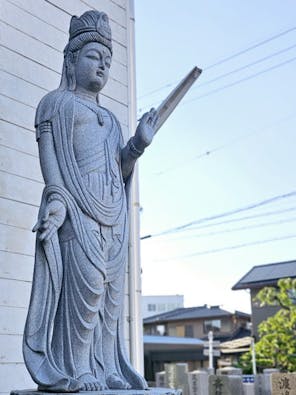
<point x="74" y="321"/>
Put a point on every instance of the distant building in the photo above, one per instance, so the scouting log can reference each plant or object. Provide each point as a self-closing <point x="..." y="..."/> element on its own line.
<point x="259" y="277"/>
<point x="196" y="322"/>
<point x="176" y="336"/>
<point x="155" y="304"/>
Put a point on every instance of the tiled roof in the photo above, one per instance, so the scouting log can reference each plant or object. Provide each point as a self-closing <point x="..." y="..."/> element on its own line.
<point x="185" y="313"/>
<point x="263" y="275"/>
<point x="150" y="339"/>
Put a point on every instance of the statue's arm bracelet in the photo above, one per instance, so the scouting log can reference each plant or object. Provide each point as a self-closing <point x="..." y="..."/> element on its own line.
<point x="44" y="127"/>
<point x="134" y="151"/>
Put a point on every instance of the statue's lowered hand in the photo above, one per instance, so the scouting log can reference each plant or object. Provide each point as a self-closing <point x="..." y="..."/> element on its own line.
<point x="146" y="130"/>
<point x="52" y="219"/>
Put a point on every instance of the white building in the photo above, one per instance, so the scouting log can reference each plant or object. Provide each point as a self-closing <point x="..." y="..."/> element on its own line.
<point x="156" y="304"/>
<point x="33" y="35"/>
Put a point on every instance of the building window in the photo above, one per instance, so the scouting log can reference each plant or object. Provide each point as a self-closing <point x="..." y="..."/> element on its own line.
<point x="180" y="331"/>
<point x="188" y="330"/>
<point x="151" y="307"/>
<point x="160" y="329"/>
<point x="161" y="307"/>
<point x="212" y="325"/>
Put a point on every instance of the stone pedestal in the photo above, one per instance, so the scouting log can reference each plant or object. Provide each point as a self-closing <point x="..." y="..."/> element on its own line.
<point x="170" y="374"/>
<point x="160" y="379"/>
<point x="198" y="383"/>
<point x="232" y="371"/>
<point x="150" y="391"/>
<point x="225" y="385"/>
<point x="182" y="378"/>
<point x="283" y="384"/>
<point x="249" y="388"/>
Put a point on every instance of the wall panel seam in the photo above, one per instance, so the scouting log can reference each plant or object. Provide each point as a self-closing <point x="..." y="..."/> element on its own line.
<point x="15" y="226"/>
<point x="18" y="253"/>
<point x="16" y="124"/>
<point x="32" y="60"/>
<point x="35" y="16"/>
<point x="19" y="201"/>
<point x="18" y="101"/>
<point x="23" y="177"/>
<point x="18" y="150"/>
<point x="118" y="5"/>
<point x="29" y="35"/>
<point x="13" y="279"/>
<point x="23" y="79"/>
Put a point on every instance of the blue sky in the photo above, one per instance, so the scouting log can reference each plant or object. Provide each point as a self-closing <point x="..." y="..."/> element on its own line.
<point x="248" y="130"/>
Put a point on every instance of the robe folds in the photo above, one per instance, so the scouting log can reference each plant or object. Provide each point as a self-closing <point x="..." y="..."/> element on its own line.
<point x="77" y="292"/>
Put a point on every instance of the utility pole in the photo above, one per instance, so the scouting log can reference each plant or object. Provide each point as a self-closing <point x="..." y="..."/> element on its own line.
<point x="211" y="349"/>
<point x="253" y="351"/>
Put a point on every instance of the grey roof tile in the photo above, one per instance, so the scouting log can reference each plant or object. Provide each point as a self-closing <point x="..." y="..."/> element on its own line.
<point x="189" y="313"/>
<point x="266" y="275"/>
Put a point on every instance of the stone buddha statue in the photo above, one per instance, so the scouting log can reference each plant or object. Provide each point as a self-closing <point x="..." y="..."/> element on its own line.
<point x="73" y="335"/>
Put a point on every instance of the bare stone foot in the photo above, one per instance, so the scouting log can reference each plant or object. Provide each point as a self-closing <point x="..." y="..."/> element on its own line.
<point x="90" y="383"/>
<point x="72" y="386"/>
<point x="115" y="382"/>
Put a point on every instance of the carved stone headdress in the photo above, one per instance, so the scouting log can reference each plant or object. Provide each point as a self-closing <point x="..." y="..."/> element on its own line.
<point x="92" y="26"/>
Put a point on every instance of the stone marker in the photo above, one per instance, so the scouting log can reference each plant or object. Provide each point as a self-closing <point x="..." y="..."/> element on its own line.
<point x="248" y="388"/>
<point x="160" y="379"/>
<point x="170" y="375"/>
<point x="225" y="385"/>
<point x="283" y="384"/>
<point x="198" y="382"/>
<point x="270" y="371"/>
<point x="262" y="384"/>
<point x="229" y="370"/>
<point x="182" y="378"/>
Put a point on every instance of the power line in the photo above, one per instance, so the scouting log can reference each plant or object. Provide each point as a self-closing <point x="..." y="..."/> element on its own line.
<point x="226" y="59"/>
<point x="230" y="85"/>
<point x="223" y="215"/>
<point x="246" y="218"/>
<point x="221" y="76"/>
<point x="227" y="248"/>
<point x="251" y="48"/>
<point x="226" y="145"/>
<point x="241" y="80"/>
<point x="238" y="229"/>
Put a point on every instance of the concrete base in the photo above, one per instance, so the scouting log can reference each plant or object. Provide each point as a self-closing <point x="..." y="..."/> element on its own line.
<point x="149" y="391"/>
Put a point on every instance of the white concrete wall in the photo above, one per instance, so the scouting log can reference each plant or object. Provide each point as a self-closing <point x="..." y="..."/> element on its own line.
<point x="160" y="303"/>
<point x="33" y="34"/>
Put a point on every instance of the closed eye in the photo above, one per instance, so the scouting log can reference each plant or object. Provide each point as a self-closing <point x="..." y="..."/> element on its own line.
<point x="93" y="57"/>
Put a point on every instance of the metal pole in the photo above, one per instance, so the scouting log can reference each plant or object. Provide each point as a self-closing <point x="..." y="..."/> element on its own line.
<point x="211" y="353"/>
<point x="134" y="274"/>
<point x="253" y="351"/>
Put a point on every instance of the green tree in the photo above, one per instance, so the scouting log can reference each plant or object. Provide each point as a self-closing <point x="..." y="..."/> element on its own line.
<point x="276" y="347"/>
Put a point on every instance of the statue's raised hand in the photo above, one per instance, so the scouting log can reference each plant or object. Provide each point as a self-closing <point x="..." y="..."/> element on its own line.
<point x="52" y="219"/>
<point x="146" y="129"/>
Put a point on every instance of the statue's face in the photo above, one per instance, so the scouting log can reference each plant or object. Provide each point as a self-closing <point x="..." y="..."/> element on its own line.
<point x="92" y="67"/>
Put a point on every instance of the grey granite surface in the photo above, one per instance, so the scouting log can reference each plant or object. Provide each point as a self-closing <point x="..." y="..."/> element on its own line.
<point x="149" y="391"/>
<point x="73" y="338"/>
